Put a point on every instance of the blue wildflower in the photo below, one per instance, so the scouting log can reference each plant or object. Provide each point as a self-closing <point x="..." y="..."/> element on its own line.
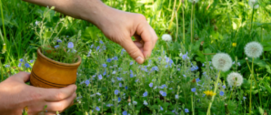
<point x="70" y="45"/>
<point x="186" y="110"/>
<point x="98" y="47"/>
<point x="27" y="65"/>
<point x="163" y="93"/>
<point x="176" y="96"/>
<point x="120" y="84"/>
<point x="124" y="113"/>
<point x="197" y="80"/>
<point x="221" y="93"/>
<point x="101" y="42"/>
<point x="119" y="99"/>
<point x="104" y="72"/>
<point x="59" y="40"/>
<point x="184" y="56"/>
<point x="109" y="105"/>
<point x="163" y="86"/>
<point x="151" y="84"/>
<point x="104" y="65"/>
<point x="116" y="92"/>
<point x="108" y="60"/>
<point x="100" y="77"/>
<point x="119" y="78"/>
<point x="21" y="60"/>
<point x="193" y="89"/>
<point x="194" y="68"/>
<point x="131" y="73"/>
<point x="87" y="82"/>
<point x="132" y="62"/>
<point x="97" y="108"/>
<point x="244" y="98"/>
<point x="126" y="87"/>
<point x="161" y="108"/>
<point x="20" y="65"/>
<point x="155" y="68"/>
<point x="31" y="61"/>
<point x="224" y="86"/>
<point x="145" y="94"/>
<point x="123" y="50"/>
<point x="184" y="75"/>
<point x="145" y="102"/>
<point x="115" y="58"/>
<point x="56" y="46"/>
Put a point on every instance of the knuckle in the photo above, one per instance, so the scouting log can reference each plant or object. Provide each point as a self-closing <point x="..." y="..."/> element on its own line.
<point x="60" y="96"/>
<point x="141" y="17"/>
<point x="23" y="74"/>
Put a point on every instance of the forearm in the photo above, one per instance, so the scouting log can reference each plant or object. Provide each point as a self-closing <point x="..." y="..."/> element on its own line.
<point x="93" y="11"/>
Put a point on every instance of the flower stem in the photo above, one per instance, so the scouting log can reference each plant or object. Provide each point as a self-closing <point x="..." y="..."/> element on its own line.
<point x="192" y="23"/>
<point x="250" y="95"/>
<point x="213" y="97"/>
<point x="193" y="112"/>
<point x="183" y="25"/>
<point x="251" y="22"/>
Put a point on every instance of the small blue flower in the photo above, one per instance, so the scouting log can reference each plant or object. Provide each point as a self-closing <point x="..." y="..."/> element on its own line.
<point x="151" y="84"/>
<point x="124" y="113"/>
<point x="155" y="68"/>
<point x="108" y="60"/>
<point x="145" y="102"/>
<point x="163" y="86"/>
<point x="31" y="61"/>
<point x="57" y="46"/>
<point x="109" y="105"/>
<point x="126" y="87"/>
<point x="194" y="68"/>
<point x="184" y="56"/>
<point x="184" y="75"/>
<point x="123" y="50"/>
<point x="115" y="58"/>
<point x="176" y="96"/>
<point x="186" y="110"/>
<point x="163" y="93"/>
<point x="244" y="98"/>
<point x="161" y="108"/>
<point x="27" y="65"/>
<point x="87" y="82"/>
<point x="70" y="45"/>
<point x="116" y="92"/>
<point x="97" y="108"/>
<point x="132" y="62"/>
<point x="131" y="73"/>
<point x="119" y="99"/>
<point x="221" y="93"/>
<point x="120" y="84"/>
<point x="193" y="89"/>
<point x="98" y="47"/>
<point x="59" y="40"/>
<point x="101" y="42"/>
<point x="104" y="65"/>
<point x="197" y="80"/>
<point x="119" y="78"/>
<point x="100" y="77"/>
<point x="104" y="72"/>
<point x="224" y="86"/>
<point x="21" y="60"/>
<point x="20" y="65"/>
<point x="145" y="94"/>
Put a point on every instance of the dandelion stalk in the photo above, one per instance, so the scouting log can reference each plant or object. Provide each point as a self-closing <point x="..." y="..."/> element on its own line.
<point x="213" y="97"/>
<point x="192" y="23"/>
<point x="250" y="95"/>
<point x="183" y="25"/>
<point x="193" y="112"/>
<point x="251" y="22"/>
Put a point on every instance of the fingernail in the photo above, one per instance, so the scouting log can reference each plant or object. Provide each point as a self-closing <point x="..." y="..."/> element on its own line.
<point x="139" y="59"/>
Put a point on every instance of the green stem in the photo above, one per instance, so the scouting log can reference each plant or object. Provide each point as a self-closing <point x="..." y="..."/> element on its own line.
<point x="213" y="97"/>
<point x="251" y="22"/>
<point x="193" y="112"/>
<point x="192" y="23"/>
<point x="183" y="25"/>
<point x="250" y="93"/>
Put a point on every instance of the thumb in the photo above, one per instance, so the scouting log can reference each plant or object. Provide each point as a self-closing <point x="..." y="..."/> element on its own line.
<point x="22" y="76"/>
<point x="132" y="50"/>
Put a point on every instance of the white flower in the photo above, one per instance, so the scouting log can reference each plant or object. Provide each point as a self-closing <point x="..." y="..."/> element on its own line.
<point x="253" y="4"/>
<point x="145" y="102"/>
<point x="193" y="1"/>
<point x="254" y="49"/>
<point x="235" y="79"/>
<point x="222" y="61"/>
<point x="166" y="37"/>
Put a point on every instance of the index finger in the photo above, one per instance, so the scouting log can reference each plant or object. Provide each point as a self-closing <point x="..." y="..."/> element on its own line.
<point x="60" y="94"/>
<point x="146" y="36"/>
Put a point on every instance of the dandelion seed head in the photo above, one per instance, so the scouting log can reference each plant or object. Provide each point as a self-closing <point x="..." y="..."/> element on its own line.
<point x="222" y="61"/>
<point x="253" y="49"/>
<point x="235" y="79"/>
<point x="166" y="37"/>
<point x="253" y="4"/>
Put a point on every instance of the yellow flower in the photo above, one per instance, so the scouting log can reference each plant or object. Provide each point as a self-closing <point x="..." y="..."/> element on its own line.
<point x="209" y="93"/>
<point x="234" y="44"/>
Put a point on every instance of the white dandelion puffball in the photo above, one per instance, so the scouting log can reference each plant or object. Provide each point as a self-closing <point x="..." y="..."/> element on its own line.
<point x="254" y="49"/>
<point x="253" y="4"/>
<point x="222" y="61"/>
<point x="194" y="1"/>
<point x="235" y="79"/>
<point x="166" y="37"/>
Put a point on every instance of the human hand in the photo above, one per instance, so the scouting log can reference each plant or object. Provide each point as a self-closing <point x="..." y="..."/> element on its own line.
<point x="120" y="26"/>
<point x="16" y="95"/>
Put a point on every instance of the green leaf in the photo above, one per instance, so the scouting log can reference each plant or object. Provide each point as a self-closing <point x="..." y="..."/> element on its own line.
<point x="261" y="110"/>
<point x="268" y="69"/>
<point x="267" y="86"/>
